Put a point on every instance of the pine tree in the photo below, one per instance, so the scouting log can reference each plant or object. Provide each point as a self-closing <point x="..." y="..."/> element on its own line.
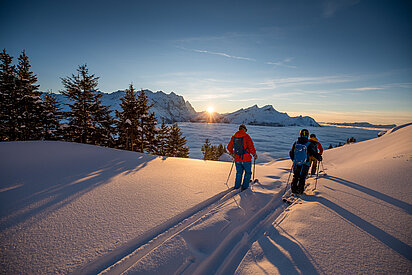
<point x="146" y="122"/>
<point x="103" y="124"/>
<point x="207" y="150"/>
<point x="127" y="123"/>
<point x="89" y="121"/>
<point x="212" y="152"/>
<point x="150" y="131"/>
<point x="176" y="143"/>
<point x="220" y="150"/>
<point x="30" y="105"/>
<point x="9" y="129"/>
<point x="51" y="118"/>
<point x="162" y="139"/>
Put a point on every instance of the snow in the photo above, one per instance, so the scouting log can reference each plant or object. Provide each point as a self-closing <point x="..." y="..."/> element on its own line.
<point x="68" y="207"/>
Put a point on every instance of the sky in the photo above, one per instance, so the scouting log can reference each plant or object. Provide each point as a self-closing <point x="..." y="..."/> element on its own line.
<point x="336" y="60"/>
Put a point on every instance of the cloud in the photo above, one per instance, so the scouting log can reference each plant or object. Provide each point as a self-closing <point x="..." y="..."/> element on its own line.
<point x="331" y="7"/>
<point x="219" y="53"/>
<point x="282" y="63"/>
<point x="225" y="55"/>
<point x="299" y="81"/>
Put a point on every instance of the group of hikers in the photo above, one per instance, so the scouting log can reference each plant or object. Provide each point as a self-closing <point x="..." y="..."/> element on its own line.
<point x="305" y="153"/>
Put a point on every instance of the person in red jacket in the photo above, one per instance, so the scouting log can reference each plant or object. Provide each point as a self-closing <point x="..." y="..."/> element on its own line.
<point x="241" y="147"/>
<point x="313" y="160"/>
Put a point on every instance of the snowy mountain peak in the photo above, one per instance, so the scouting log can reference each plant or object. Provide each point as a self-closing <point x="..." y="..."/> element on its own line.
<point x="267" y="116"/>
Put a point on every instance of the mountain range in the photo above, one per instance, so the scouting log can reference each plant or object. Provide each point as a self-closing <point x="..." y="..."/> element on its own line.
<point x="173" y="108"/>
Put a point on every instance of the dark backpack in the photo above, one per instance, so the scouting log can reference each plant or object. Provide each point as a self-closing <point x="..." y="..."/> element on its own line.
<point x="238" y="146"/>
<point x="301" y="154"/>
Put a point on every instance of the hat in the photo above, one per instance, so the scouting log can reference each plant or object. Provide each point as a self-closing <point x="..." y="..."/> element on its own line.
<point x="242" y="127"/>
<point x="304" y="133"/>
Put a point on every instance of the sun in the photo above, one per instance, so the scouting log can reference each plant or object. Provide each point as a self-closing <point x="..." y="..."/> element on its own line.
<point x="210" y="109"/>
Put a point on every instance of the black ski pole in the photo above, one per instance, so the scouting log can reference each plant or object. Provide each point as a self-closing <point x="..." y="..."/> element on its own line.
<point x="254" y="165"/>
<point x="323" y="168"/>
<point x="287" y="183"/>
<point x="230" y="173"/>
<point x="317" y="176"/>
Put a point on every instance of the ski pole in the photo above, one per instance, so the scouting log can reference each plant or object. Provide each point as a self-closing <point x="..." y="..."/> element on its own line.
<point x="254" y="166"/>
<point x="287" y="183"/>
<point x="317" y="176"/>
<point x="323" y="168"/>
<point x="230" y="173"/>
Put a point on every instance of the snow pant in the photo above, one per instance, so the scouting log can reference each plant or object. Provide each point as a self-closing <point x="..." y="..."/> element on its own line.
<point x="314" y="163"/>
<point x="299" y="177"/>
<point x="241" y="167"/>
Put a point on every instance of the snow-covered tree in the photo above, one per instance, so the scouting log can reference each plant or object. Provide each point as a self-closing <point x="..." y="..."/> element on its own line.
<point x="127" y="124"/>
<point x="30" y="105"/>
<point x="9" y="129"/>
<point x="177" y="143"/>
<point x="146" y="122"/>
<point x="51" y="118"/>
<point x="89" y="121"/>
<point x="162" y="139"/>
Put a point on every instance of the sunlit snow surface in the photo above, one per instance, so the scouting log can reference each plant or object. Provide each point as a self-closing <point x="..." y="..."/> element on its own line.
<point x="270" y="142"/>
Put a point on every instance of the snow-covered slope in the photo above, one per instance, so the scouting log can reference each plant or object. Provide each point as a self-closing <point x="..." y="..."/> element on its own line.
<point x="69" y="207"/>
<point x="170" y="107"/>
<point x="358" y="221"/>
<point x="268" y="116"/>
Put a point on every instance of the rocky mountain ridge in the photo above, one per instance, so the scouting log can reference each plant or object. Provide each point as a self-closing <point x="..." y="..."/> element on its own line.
<point x="173" y="108"/>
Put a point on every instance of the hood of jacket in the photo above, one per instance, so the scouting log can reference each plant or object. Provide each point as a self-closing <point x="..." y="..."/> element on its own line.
<point x="314" y="139"/>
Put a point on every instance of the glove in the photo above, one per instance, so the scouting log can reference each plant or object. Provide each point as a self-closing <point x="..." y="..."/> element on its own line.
<point x="255" y="156"/>
<point x="320" y="158"/>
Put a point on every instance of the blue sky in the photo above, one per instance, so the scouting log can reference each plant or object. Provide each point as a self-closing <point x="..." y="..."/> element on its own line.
<point x="333" y="60"/>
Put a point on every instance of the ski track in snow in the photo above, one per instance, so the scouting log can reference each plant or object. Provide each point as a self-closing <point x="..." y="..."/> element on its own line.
<point x="224" y="259"/>
<point x="225" y="255"/>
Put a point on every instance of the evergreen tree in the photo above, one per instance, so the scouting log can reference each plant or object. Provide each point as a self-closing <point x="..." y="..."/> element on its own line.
<point x="220" y="150"/>
<point x="146" y="123"/>
<point x="9" y="129"/>
<point x="89" y="121"/>
<point x="51" y="118"/>
<point x="212" y="152"/>
<point x="207" y="150"/>
<point x="150" y="131"/>
<point x="30" y="105"/>
<point x="103" y="124"/>
<point x="127" y="123"/>
<point x="176" y="143"/>
<point x="162" y="139"/>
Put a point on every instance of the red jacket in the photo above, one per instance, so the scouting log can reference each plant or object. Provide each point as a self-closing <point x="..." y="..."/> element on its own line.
<point x="247" y="144"/>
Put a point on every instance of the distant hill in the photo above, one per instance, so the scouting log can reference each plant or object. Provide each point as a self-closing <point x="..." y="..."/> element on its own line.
<point x="173" y="108"/>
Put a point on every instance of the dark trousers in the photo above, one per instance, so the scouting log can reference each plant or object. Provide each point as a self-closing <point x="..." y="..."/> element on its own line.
<point x="299" y="177"/>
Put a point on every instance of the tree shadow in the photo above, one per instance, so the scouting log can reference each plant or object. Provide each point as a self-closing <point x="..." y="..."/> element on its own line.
<point x="275" y="245"/>
<point x="50" y="189"/>
<point x="400" y="247"/>
<point x="395" y="202"/>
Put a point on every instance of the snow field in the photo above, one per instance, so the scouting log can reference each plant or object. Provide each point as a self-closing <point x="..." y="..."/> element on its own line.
<point x="358" y="221"/>
<point x="69" y="207"/>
